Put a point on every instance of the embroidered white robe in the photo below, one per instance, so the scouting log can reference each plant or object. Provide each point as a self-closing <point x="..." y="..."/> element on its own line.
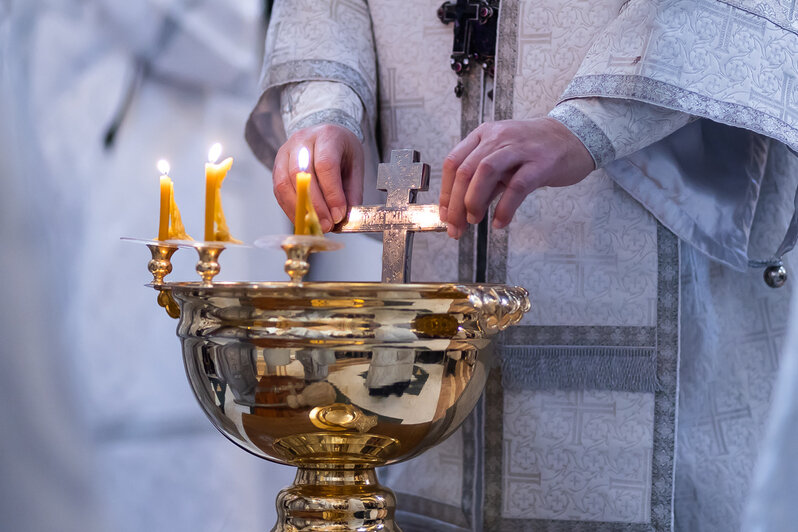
<point x="578" y="429"/>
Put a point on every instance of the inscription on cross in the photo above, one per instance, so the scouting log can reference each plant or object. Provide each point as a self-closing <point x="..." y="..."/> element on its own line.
<point x="399" y="218"/>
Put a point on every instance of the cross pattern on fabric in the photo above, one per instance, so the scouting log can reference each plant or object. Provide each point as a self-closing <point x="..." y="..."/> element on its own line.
<point x="734" y="21"/>
<point x="641" y="486"/>
<point x="780" y="102"/>
<point x="392" y="104"/>
<point x="531" y="38"/>
<point x="580" y="260"/>
<point x="535" y="39"/>
<point x="399" y="218"/>
<point x="579" y="407"/>
<point x="718" y="417"/>
<point x="770" y="334"/>
<point x="518" y="475"/>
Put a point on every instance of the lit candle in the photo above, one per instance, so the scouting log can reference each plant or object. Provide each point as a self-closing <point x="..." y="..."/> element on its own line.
<point x="214" y="175"/>
<point x="167" y="191"/>
<point x="302" y="192"/>
<point x="176" y="229"/>
<point x="170" y="226"/>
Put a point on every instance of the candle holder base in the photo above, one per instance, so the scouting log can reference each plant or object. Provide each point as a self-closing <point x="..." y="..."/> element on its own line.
<point x="208" y="263"/>
<point x="297" y="250"/>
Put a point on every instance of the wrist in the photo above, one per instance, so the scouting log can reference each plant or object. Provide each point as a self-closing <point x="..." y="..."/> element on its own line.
<point x="583" y="130"/>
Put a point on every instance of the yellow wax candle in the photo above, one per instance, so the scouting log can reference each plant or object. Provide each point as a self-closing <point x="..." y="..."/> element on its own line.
<point x="222" y="232"/>
<point x="176" y="229"/>
<point x="170" y="225"/>
<point x="312" y="224"/>
<point x="302" y="192"/>
<point x="166" y="200"/>
<point x="302" y="195"/>
<point x="214" y="176"/>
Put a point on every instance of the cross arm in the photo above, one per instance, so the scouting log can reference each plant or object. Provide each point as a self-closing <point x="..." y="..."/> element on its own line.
<point x="378" y="218"/>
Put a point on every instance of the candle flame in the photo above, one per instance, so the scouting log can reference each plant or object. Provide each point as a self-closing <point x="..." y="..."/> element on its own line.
<point x="214" y="153"/>
<point x="304" y="159"/>
<point x="163" y="167"/>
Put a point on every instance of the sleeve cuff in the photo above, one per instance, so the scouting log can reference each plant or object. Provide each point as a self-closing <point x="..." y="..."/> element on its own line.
<point x="310" y="103"/>
<point x="591" y="135"/>
<point x="328" y="116"/>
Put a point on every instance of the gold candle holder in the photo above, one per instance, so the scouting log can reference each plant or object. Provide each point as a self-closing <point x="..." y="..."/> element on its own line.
<point x="297" y="251"/>
<point x="296" y="261"/>
<point x="161" y="263"/>
<point x="208" y="264"/>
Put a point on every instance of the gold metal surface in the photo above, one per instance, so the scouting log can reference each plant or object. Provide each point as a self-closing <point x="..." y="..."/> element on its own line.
<point x="338" y="416"/>
<point x="377" y="218"/>
<point x="169" y="304"/>
<point x="297" y="250"/>
<point x="208" y="263"/>
<point x="338" y="378"/>
<point x="399" y="218"/>
<point x="336" y="499"/>
<point x="161" y="263"/>
<point x="324" y="448"/>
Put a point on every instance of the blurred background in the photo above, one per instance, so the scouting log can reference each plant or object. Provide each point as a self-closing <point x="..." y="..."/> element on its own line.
<point x="98" y="428"/>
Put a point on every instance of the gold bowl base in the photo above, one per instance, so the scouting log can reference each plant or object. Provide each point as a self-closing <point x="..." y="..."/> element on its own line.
<point x="333" y="498"/>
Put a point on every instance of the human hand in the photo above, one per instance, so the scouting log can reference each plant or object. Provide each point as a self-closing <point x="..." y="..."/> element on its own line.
<point x="336" y="166"/>
<point x="512" y="158"/>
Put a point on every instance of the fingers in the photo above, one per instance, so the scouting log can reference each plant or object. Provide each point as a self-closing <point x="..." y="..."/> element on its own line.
<point x="519" y="187"/>
<point x="336" y="163"/>
<point x="488" y="181"/>
<point x="456" y="213"/>
<point x="475" y="182"/>
<point x="450" y="167"/>
<point x="320" y="205"/>
<point x="328" y="154"/>
<point x="284" y="185"/>
<point x="317" y="198"/>
<point x="354" y="175"/>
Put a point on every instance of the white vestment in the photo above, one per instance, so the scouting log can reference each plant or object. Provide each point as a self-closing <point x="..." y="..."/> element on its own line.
<point x="578" y="431"/>
<point x="771" y="506"/>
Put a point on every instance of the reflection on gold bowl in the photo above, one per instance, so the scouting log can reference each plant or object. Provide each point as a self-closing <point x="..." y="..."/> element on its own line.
<point x="337" y="378"/>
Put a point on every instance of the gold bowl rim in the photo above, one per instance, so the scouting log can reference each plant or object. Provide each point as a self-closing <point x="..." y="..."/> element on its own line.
<point x="337" y="285"/>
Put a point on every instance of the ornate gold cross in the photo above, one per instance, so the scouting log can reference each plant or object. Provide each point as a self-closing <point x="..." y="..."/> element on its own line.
<point x="399" y="218"/>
